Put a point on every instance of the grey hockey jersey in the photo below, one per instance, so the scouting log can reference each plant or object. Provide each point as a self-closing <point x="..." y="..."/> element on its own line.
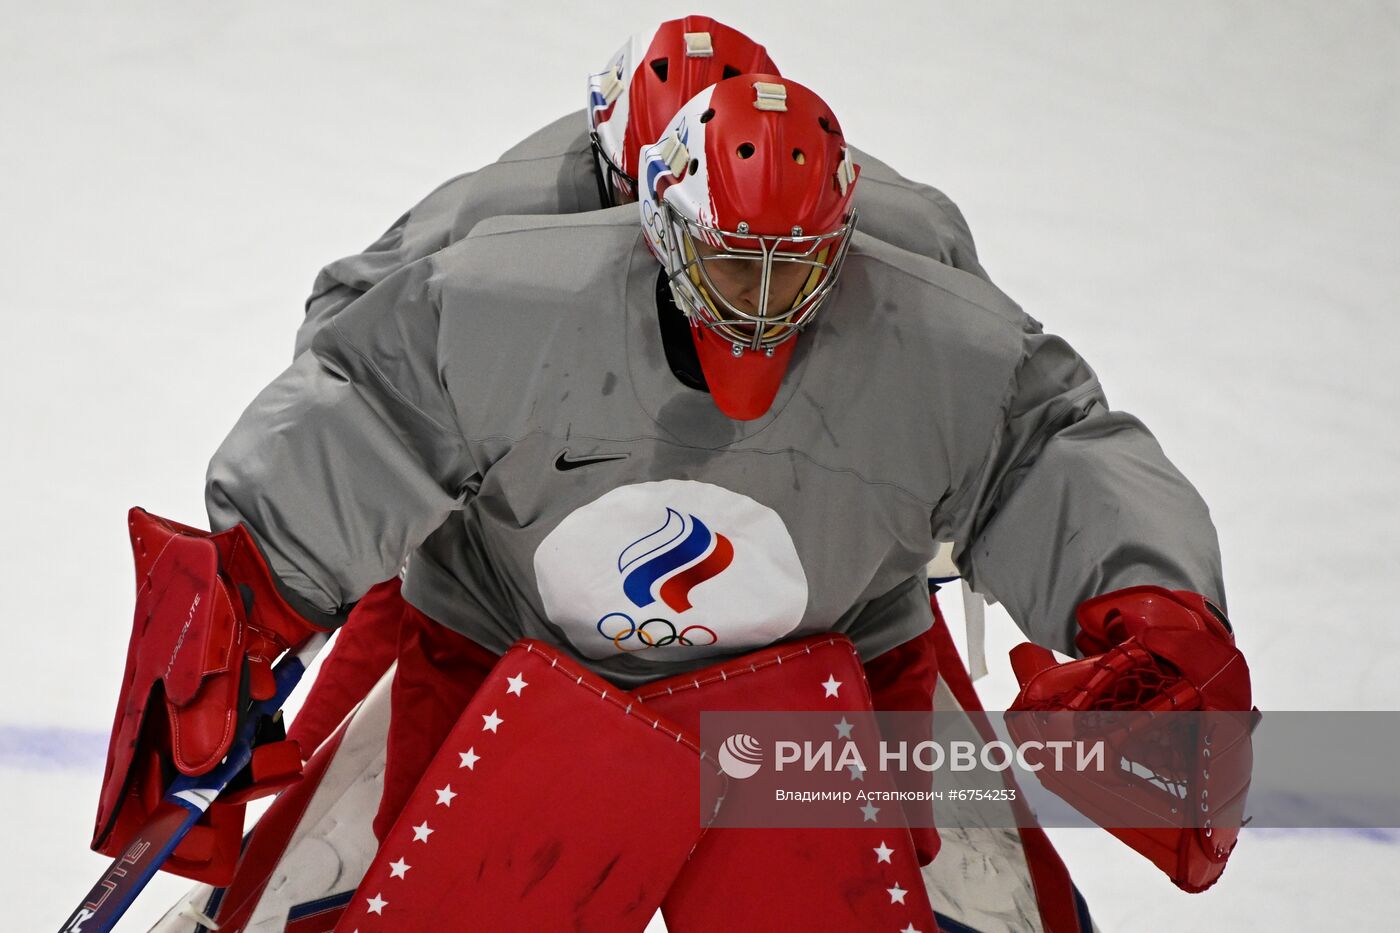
<point x="503" y="411"/>
<point x="551" y="172"/>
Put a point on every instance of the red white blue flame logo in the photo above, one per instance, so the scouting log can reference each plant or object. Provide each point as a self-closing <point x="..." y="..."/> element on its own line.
<point x="650" y="563"/>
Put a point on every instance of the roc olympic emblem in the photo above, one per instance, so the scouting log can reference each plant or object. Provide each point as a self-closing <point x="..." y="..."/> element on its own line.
<point x="652" y="568"/>
<point x="671" y="569"/>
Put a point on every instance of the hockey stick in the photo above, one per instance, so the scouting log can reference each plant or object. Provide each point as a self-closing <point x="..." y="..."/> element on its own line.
<point x="131" y="871"/>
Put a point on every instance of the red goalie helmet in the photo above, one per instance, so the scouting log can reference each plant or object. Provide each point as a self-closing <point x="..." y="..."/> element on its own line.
<point x="646" y="81"/>
<point x="746" y="200"/>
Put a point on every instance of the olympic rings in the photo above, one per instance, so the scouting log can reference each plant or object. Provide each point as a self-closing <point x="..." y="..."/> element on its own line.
<point x="683" y="638"/>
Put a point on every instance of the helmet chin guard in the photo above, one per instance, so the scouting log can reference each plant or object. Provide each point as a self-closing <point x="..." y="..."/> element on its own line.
<point x="746" y="202"/>
<point x="743" y="385"/>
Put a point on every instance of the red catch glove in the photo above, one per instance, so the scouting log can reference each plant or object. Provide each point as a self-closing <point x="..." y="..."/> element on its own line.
<point x="1155" y="650"/>
<point x="209" y="623"/>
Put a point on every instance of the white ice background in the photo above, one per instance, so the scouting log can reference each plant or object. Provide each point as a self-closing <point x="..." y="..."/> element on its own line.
<point x="1204" y="197"/>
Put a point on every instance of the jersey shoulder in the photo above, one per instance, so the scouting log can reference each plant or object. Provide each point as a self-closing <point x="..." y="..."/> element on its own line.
<point x="623" y="221"/>
<point x="549" y="172"/>
<point x="539" y="263"/>
<point x="912" y="284"/>
<point x="939" y="332"/>
<point x="564" y="136"/>
<point x="912" y="215"/>
<point x="880" y="182"/>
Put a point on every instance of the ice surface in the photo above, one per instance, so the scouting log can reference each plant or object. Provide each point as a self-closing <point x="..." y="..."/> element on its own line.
<point x="1204" y="198"/>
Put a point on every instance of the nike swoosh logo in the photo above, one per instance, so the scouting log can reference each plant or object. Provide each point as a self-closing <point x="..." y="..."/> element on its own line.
<point x="564" y="463"/>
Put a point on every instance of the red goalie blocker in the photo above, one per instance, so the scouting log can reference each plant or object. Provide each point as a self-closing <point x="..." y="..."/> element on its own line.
<point x="1180" y="798"/>
<point x="208" y="625"/>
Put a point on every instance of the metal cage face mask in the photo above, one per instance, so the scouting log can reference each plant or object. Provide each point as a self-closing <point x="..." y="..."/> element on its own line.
<point x="614" y="185"/>
<point x="711" y="270"/>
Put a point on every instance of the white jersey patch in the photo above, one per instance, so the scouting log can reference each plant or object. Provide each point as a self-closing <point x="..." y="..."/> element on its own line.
<point x="671" y="571"/>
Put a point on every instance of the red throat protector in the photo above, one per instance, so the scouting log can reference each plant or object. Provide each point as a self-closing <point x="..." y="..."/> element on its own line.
<point x="744" y="386"/>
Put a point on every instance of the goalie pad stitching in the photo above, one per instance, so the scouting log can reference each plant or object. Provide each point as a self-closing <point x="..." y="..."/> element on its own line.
<point x="753" y="669"/>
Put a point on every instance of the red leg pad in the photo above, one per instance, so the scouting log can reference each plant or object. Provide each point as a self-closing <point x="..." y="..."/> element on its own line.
<point x="902" y="680"/>
<point x="790" y="879"/>
<point x="525" y="819"/>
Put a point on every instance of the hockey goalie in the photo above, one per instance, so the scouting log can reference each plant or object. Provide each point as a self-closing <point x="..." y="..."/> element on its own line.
<point x="684" y="453"/>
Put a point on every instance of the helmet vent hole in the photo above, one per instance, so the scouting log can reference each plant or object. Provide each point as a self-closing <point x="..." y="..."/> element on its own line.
<point x="707" y="116"/>
<point x="799" y="157"/>
<point x="730" y="72"/>
<point x="745" y="150"/>
<point x="694" y="166"/>
<point x="827" y="127"/>
<point x="661" y="66"/>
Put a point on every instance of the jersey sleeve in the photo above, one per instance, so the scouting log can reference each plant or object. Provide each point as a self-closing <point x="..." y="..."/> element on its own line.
<point x="958" y="246"/>
<point x="426" y="228"/>
<point x="353" y="456"/>
<point x="1075" y="500"/>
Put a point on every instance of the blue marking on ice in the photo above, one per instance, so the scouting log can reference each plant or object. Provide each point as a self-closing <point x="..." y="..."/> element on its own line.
<point x="51" y="748"/>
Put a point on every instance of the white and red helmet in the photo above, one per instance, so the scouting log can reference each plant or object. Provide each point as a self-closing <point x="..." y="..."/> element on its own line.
<point x="647" y="81"/>
<point x="753" y="170"/>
